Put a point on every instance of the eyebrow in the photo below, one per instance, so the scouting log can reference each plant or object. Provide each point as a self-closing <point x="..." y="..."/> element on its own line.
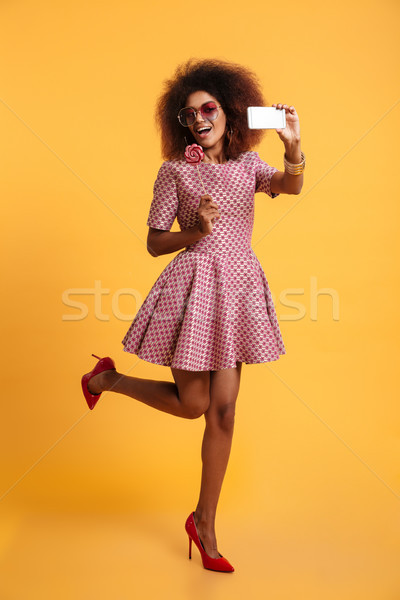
<point x="206" y="102"/>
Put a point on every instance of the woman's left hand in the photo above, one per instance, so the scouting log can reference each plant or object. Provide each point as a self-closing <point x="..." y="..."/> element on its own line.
<point x="291" y="133"/>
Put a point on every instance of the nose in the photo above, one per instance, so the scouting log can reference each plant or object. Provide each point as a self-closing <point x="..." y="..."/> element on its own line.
<point x="198" y="114"/>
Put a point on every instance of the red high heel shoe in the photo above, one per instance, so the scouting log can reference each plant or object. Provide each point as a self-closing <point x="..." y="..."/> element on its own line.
<point x="104" y="364"/>
<point x="213" y="564"/>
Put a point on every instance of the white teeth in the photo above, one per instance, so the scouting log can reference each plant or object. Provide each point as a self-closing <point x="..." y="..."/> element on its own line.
<point x="203" y="129"/>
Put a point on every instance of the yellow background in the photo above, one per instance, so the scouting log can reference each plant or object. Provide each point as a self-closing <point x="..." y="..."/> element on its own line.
<point x="93" y="503"/>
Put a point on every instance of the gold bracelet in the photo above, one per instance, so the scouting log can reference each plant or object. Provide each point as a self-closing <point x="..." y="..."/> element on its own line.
<point x="293" y="169"/>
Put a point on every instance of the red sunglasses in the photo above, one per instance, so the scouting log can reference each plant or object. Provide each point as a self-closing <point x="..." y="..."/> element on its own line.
<point x="188" y="115"/>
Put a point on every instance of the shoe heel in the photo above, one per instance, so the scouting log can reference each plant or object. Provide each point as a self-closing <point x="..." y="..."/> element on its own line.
<point x="190" y="547"/>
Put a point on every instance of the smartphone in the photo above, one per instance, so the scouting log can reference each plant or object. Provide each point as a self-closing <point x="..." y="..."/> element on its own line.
<point x="266" y="117"/>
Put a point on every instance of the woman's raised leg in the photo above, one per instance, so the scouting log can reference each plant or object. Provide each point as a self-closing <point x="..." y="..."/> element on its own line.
<point x="189" y="397"/>
<point x="217" y="441"/>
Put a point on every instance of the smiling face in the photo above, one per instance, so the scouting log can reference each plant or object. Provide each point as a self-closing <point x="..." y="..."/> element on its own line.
<point x="209" y="134"/>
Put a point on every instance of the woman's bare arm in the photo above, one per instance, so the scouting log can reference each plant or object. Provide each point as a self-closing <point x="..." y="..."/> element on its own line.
<point x="160" y="241"/>
<point x="281" y="181"/>
<point x="163" y="242"/>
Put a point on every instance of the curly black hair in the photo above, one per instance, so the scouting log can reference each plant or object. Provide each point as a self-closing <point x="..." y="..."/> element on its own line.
<point x="234" y="86"/>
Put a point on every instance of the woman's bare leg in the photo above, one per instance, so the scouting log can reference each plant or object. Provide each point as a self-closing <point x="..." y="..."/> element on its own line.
<point x="189" y="397"/>
<point x="212" y="393"/>
<point x="217" y="441"/>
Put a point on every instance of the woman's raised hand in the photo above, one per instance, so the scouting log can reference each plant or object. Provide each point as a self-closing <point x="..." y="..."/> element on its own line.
<point x="208" y="213"/>
<point x="291" y="133"/>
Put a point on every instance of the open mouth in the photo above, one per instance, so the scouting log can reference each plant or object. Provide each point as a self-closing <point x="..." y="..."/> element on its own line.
<point x="203" y="131"/>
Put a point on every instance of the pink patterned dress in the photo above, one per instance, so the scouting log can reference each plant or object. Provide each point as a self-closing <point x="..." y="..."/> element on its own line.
<point x="211" y="306"/>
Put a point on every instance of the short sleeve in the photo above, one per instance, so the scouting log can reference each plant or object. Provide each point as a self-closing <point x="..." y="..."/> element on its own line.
<point x="164" y="206"/>
<point x="263" y="176"/>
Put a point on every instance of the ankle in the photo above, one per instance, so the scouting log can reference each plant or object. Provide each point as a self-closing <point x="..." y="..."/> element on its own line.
<point x="109" y="379"/>
<point x="205" y="518"/>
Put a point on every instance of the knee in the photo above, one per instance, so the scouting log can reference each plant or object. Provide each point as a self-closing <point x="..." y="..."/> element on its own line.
<point x="195" y="409"/>
<point x="223" y="417"/>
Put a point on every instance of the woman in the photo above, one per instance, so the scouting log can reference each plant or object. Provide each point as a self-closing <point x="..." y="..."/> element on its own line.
<point x="211" y="308"/>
